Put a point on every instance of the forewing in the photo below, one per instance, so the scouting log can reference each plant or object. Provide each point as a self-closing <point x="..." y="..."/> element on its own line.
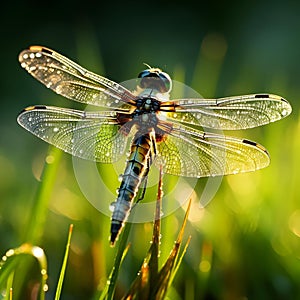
<point x="191" y="153"/>
<point x="90" y="135"/>
<point x="230" y="113"/>
<point x="70" y="80"/>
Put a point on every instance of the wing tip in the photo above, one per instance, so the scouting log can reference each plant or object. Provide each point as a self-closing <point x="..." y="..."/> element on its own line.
<point x="25" y="54"/>
<point x="286" y="107"/>
<point x="40" y="49"/>
<point x="256" y="145"/>
<point x="270" y="96"/>
<point x="36" y="48"/>
<point x="33" y="107"/>
<point x="30" y="108"/>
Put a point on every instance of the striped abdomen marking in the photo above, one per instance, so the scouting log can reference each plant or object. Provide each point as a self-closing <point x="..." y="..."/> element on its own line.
<point x="136" y="169"/>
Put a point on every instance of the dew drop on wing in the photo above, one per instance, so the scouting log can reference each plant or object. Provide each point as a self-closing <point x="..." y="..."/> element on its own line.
<point x="284" y="112"/>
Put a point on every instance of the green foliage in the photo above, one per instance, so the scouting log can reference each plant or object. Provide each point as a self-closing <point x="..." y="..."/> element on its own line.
<point x="9" y="263"/>
<point x="152" y="283"/>
<point x="64" y="266"/>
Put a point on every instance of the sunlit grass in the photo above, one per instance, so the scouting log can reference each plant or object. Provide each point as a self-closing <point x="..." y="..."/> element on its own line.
<point x="11" y="259"/>
<point x="152" y="282"/>
<point x="36" y="224"/>
<point x="64" y="266"/>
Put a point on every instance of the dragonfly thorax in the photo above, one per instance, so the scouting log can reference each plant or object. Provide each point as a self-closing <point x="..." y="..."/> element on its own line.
<point x="144" y="116"/>
<point x="147" y="105"/>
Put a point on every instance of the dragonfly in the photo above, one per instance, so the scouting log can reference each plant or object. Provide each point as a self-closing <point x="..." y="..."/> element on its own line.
<point x="168" y="133"/>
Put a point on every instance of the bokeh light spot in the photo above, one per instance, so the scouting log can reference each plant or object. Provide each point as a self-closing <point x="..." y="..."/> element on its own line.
<point x="294" y="222"/>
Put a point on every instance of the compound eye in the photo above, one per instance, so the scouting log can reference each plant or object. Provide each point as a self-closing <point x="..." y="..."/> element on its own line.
<point x="144" y="73"/>
<point x="155" y="79"/>
<point x="167" y="82"/>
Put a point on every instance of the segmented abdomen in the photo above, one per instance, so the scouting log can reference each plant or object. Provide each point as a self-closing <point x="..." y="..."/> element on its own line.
<point x="135" y="171"/>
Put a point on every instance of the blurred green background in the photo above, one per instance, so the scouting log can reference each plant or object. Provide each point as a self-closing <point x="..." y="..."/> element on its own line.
<point x="245" y="243"/>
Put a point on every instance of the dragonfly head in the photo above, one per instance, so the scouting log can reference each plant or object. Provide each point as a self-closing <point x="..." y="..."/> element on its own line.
<point x="156" y="79"/>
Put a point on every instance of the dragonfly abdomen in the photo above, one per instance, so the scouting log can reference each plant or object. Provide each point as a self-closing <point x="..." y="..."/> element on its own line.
<point x="136" y="170"/>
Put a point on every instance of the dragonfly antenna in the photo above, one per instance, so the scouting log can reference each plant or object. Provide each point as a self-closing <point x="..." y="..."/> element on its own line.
<point x="147" y="65"/>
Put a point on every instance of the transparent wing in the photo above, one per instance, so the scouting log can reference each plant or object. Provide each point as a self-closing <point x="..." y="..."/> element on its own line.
<point x="70" y="80"/>
<point x="89" y="135"/>
<point x="188" y="152"/>
<point x="231" y="113"/>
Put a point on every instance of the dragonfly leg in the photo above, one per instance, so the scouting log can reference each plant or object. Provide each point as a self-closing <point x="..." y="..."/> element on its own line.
<point x="142" y="194"/>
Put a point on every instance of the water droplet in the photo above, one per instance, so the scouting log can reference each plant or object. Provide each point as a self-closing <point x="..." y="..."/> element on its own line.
<point x="37" y="251"/>
<point x="236" y="171"/>
<point x="10" y="252"/>
<point x="43" y="271"/>
<point x="112" y="206"/>
<point x="50" y="159"/>
<point x="284" y="112"/>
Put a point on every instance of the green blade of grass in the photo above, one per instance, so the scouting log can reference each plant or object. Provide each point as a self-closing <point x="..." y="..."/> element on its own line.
<point x="40" y="205"/>
<point x="151" y="284"/>
<point x="154" y="249"/>
<point x="9" y="290"/>
<point x="36" y="224"/>
<point x="141" y="287"/>
<point x="167" y="273"/>
<point x="178" y="263"/>
<point x="12" y="258"/>
<point x="108" y="292"/>
<point x="7" y="268"/>
<point x="64" y="265"/>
